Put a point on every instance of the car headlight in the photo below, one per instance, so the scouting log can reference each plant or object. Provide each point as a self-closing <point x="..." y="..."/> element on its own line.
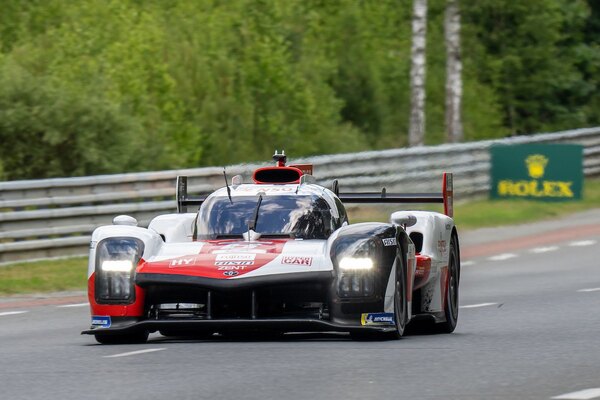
<point x="356" y="258"/>
<point x="116" y="265"/>
<point x="116" y="259"/>
<point x="356" y="263"/>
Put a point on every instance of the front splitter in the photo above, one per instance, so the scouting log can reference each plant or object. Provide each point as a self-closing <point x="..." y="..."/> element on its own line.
<point x="228" y="325"/>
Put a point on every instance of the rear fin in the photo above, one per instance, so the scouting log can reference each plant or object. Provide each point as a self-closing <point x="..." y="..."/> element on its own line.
<point x="445" y="197"/>
<point x="181" y="196"/>
<point x="448" y="194"/>
<point x="335" y="187"/>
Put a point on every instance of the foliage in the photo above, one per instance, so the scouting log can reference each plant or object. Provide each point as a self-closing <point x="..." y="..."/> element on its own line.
<point x="530" y="54"/>
<point x="48" y="131"/>
<point x="123" y="85"/>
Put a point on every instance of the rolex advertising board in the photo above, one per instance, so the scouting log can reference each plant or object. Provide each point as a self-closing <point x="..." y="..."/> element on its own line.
<point x="537" y="171"/>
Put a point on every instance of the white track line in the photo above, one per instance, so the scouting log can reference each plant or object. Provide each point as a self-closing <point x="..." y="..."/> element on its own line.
<point x="74" y="305"/>
<point x="467" y="263"/>
<point x="597" y="289"/>
<point x="586" y="394"/>
<point x="134" y="353"/>
<point x="582" y="243"/>
<point x="538" y="250"/>
<point x="502" y="257"/>
<point x="479" y="305"/>
<point x="2" y="314"/>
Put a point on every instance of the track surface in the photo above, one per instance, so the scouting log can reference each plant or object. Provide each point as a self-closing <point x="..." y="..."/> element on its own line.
<point x="529" y="328"/>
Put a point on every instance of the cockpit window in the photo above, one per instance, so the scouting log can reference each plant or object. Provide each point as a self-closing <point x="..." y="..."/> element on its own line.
<point x="305" y="217"/>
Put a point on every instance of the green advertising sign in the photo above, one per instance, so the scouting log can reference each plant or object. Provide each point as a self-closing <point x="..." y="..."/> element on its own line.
<point x="537" y="171"/>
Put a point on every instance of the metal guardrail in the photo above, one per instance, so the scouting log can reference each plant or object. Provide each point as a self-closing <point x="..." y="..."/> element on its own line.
<point x="54" y="217"/>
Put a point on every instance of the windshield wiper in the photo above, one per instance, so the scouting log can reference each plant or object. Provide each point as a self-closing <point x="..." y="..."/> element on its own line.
<point x="254" y="220"/>
<point x="227" y="186"/>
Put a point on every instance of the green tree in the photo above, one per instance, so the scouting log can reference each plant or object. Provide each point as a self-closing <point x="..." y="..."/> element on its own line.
<point x="523" y="56"/>
<point x="129" y="85"/>
<point x="49" y="131"/>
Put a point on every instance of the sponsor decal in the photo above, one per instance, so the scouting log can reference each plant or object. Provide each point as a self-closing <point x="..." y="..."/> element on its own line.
<point x="230" y="273"/>
<point x="444" y="285"/>
<point x="442" y="246"/>
<point x="101" y="321"/>
<point x="423" y="267"/>
<point x="218" y="256"/>
<point x="291" y="260"/>
<point x="252" y="248"/>
<point x="93" y="244"/>
<point x="389" y="241"/>
<point x="535" y="189"/>
<point x="536" y="164"/>
<point x="236" y="257"/>
<point x="182" y="262"/>
<point x="537" y="171"/>
<point x="411" y="251"/>
<point x="377" y="319"/>
<point x="231" y="263"/>
<point x="232" y="268"/>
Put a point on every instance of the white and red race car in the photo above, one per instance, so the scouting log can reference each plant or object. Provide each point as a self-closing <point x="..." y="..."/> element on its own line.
<point x="275" y="255"/>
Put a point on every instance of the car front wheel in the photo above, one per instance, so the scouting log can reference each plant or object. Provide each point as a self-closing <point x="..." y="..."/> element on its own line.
<point x="400" y="301"/>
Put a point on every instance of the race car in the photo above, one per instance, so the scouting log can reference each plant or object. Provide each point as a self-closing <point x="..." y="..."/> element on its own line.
<point x="276" y="255"/>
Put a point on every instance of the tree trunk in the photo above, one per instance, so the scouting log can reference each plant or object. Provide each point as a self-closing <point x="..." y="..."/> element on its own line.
<point x="416" y="130"/>
<point x="454" y="128"/>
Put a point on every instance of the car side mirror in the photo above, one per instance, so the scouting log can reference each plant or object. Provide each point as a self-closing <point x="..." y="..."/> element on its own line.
<point x="304" y="179"/>
<point x="403" y="219"/>
<point x="125" y="220"/>
<point x="236" y="181"/>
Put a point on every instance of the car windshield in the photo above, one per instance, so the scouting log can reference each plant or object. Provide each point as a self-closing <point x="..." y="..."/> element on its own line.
<point x="297" y="216"/>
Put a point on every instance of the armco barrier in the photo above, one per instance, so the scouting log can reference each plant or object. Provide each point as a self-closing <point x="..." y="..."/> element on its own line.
<point x="54" y="217"/>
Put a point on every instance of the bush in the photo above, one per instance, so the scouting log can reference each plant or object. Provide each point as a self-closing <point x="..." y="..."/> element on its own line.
<point x="49" y="131"/>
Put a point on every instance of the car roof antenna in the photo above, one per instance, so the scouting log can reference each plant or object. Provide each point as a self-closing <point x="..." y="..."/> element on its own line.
<point x="227" y="185"/>
<point x="280" y="159"/>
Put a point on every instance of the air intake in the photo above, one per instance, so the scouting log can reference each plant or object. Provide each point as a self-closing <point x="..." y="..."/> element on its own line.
<point x="277" y="175"/>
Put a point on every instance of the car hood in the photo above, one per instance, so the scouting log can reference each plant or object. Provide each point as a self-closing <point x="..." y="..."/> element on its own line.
<point x="238" y="259"/>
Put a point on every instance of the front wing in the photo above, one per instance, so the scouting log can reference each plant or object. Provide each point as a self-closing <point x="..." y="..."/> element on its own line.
<point x="230" y="325"/>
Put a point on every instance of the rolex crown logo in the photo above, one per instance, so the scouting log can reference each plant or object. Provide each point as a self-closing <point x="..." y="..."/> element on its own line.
<point x="536" y="163"/>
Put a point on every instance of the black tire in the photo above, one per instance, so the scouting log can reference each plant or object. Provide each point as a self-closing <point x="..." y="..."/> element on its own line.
<point x="451" y="308"/>
<point x="400" y="301"/>
<point x="129" y="338"/>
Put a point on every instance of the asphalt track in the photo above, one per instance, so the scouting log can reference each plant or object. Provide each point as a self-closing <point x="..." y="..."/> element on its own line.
<point x="529" y="328"/>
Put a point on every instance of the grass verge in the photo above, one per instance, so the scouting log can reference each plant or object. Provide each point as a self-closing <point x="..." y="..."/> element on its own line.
<point x="44" y="276"/>
<point x="486" y="213"/>
<point x="71" y="274"/>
